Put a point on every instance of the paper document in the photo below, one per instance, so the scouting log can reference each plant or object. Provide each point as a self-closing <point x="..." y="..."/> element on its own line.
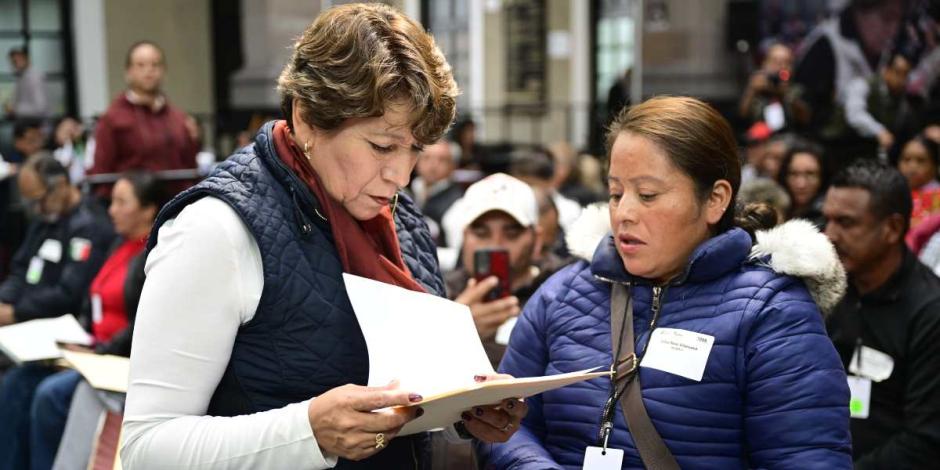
<point x="35" y="340"/>
<point x="428" y="343"/>
<point x="102" y="371"/>
<point x="431" y="346"/>
<point x="443" y="410"/>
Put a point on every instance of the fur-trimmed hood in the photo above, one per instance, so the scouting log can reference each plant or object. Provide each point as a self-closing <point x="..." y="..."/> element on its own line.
<point x="795" y="248"/>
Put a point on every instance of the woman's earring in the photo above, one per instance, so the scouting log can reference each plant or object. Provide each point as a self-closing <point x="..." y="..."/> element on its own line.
<point x="307" y="150"/>
<point x="395" y="204"/>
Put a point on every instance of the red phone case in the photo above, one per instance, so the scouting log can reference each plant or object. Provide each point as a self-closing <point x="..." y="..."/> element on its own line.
<point x="493" y="262"/>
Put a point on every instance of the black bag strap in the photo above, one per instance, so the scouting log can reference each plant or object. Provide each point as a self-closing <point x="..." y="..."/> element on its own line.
<point x="650" y="445"/>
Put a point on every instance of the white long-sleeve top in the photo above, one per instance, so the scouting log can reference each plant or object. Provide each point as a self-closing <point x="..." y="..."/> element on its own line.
<point x="856" y="109"/>
<point x="204" y="280"/>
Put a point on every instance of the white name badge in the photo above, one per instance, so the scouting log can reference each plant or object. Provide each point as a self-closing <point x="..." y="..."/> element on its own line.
<point x="873" y="364"/>
<point x="34" y="272"/>
<point x="97" y="313"/>
<point x="774" y="116"/>
<point x="679" y="352"/>
<point x="51" y="250"/>
<point x="860" y="388"/>
<point x="597" y="458"/>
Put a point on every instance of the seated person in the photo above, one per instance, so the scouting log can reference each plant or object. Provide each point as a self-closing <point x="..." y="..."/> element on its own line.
<point x="34" y="398"/>
<point x="27" y="140"/>
<point x="434" y="188"/>
<point x="766" y="191"/>
<point x="553" y="237"/>
<point x="803" y="176"/>
<point x="64" y="246"/>
<point x="536" y="168"/>
<point x="499" y="211"/>
<point x="918" y="162"/>
<point x="887" y="327"/>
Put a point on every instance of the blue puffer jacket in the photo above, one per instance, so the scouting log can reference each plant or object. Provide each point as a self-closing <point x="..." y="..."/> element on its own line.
<point x="773" y="393"/>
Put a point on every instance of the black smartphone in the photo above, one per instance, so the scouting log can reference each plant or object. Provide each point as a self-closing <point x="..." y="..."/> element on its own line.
<point x="493" y="262"/>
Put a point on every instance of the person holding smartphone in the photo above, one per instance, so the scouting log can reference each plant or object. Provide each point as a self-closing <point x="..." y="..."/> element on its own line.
<point x="499" y="267"/>
<point x="501" y="263"/>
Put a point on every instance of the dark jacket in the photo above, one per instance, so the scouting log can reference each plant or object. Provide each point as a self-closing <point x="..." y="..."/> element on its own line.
<point x="64" y="270"/>
<point x="901" y="319"/>
<point x="773" y="393"/>
<point x="304" y="338"/>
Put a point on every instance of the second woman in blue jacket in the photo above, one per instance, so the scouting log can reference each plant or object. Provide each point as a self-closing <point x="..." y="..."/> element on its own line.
<point x="763" y="388"/>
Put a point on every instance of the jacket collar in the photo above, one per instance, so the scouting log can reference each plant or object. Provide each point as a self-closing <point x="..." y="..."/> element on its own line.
<point x="711" y="259"/>
<point x="304" y="200"/>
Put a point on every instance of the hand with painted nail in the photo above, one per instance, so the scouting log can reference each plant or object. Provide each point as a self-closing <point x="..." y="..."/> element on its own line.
<point x="487" y="316"/>
<point x="495" y="423"/>
<point x="351" y="422"/>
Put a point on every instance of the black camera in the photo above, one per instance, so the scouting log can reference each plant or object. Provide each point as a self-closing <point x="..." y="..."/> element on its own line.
<point x="777" y="78"/>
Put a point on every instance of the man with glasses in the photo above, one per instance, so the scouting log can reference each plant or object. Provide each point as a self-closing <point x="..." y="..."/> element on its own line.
<point x="65" y="245"/>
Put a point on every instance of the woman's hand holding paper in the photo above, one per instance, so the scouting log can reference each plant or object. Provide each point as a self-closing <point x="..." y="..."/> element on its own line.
<point x="495" y="423"/>
<point x="346" y="421"/>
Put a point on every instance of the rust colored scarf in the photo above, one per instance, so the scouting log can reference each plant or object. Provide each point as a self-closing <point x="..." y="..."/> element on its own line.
<point x="366" y="248"/>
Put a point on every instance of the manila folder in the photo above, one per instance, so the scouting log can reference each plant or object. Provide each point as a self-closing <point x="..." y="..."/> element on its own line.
<point x="445" y="409"/>
<point x="102" y="371"/>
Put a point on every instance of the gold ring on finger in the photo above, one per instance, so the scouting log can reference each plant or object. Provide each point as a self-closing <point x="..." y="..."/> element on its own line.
<point x="379" y="441"/>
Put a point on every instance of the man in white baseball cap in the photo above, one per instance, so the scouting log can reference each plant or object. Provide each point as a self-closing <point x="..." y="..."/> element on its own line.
<point x="499" y="212"/>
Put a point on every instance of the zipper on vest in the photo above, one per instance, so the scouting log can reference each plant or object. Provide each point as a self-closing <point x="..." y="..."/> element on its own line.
<point x="305" y="227"/>
<point x="658" y="292"/>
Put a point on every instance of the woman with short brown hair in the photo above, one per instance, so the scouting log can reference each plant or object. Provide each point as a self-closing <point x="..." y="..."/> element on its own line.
<point x="247" y="353"/>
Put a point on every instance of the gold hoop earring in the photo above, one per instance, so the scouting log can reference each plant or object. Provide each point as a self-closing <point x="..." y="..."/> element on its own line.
<point x="307" y="150"/>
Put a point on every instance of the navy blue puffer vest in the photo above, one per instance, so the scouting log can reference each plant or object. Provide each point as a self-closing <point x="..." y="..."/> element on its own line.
<point x="304" y="338"/>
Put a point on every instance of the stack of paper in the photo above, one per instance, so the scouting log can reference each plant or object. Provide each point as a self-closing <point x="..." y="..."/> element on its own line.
<point x="431" y="346"/>
<point x="35" y="340"/>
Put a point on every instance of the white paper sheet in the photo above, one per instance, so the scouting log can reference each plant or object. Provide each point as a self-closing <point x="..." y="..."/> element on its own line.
<point x="432" y="347"/>
<point x="428" y="343"/>
<point x="35" y="340"/>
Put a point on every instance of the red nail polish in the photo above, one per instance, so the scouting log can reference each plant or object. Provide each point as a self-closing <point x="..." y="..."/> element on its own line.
<point x="478" y="378"/>
<point x="414" y="398"/>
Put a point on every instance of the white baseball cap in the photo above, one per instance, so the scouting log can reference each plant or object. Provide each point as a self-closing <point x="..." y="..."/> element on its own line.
<point x="499" y="192"/>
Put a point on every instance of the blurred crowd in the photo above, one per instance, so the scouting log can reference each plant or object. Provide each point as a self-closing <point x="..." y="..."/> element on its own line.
<point x="842" y="130"/>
